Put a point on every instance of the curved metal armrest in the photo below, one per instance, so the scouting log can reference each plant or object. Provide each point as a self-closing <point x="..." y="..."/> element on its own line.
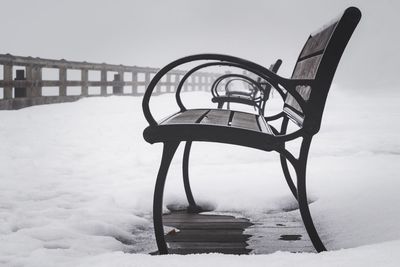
<point x="239" y="94"/>
<point x="274" y="79"/>
<point x="240" y="100"/>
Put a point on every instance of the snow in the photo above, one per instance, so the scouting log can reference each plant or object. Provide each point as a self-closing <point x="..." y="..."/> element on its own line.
<point x="77" y="183"/>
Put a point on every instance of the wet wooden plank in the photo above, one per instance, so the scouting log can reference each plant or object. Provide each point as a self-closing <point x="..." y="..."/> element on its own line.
<point x="264" y="127"/>
<point x="223" y="237"/>
<point x="245" y="120"/>
<point x="211" y="245"/>
<point x="283" y="231"/>
<point x="186" y="117"/>
<point x="186" y="251"/>
<point x="318" y="41"/>
<point x="271" y="246"/>
<point x="206" y="233"/>
<point x="209" y="225"/>
<point x="211" y="231"/>
<point x="203" y="219"/>
<point x="217" y="117"/>
<point x="307" y="69"/>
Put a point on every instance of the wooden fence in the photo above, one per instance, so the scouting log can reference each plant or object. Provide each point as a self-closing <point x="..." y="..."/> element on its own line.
<point x="22" y="84"/>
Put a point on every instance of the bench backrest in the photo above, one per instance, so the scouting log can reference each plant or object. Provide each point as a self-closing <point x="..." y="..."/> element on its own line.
<point x="318" y="61"/>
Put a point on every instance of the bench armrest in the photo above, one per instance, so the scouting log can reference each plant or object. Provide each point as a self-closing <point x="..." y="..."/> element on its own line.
<point x="274" y="79"/>
<point x="235" y="99"/>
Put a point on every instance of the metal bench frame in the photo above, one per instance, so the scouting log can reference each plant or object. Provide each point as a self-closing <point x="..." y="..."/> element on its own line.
<point x="306" y="93"/>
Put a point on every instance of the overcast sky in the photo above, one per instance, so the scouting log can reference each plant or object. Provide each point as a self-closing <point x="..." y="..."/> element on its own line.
<point x="153" y="33"/>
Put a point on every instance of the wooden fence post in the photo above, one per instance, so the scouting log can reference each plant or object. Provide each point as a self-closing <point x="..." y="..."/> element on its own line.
<point x="62" y="73"/>
<point x="185" y="87"/>
<point x="103" y="87"/>
<point x="196" y="82"/>
<point x="134" y="83"/>
<point x="177" y="80"/>
<point x="207" y="82"/>
<point x="168" y="84"/>
<point x="7" y="77"/>
<point x="121" y="80"/>
<point x="34" y="76"/>
<point x="117" y="88"/>
<point x="29" y="78"/>
<point x="84" y="79"/>
<point x="147" y="81"/>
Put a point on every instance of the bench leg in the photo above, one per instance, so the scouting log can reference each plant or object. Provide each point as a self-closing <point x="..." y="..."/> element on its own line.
<point x="168" y="154"/>
<point x="302" y="197"/>
<point x="287" y="175"/>
<point x="193" y="207"/>
<point x="284" y="164"/>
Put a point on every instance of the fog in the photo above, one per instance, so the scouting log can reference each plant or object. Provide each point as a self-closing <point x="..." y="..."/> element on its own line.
<point x="152" y="33"/>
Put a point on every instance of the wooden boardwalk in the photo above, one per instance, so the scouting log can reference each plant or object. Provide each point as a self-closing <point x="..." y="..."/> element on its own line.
<point x="207" y="233"/>
<point x="201" y="233"/>
<point x="281" y="231"/>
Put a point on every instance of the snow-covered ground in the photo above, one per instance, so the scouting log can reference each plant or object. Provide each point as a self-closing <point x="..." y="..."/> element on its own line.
<point x="77" y="183"/>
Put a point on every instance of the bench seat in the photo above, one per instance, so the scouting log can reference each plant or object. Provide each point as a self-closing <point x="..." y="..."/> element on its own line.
<point x="214" y="125"/>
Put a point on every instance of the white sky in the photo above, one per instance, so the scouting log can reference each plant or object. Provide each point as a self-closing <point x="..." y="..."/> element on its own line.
<point x="153" y="33"/>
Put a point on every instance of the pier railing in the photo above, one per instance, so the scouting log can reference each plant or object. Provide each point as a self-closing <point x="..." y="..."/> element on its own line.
<point x="29" y="81"/>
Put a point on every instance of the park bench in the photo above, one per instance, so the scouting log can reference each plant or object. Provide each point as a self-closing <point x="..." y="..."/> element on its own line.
<point x="255" y="93"/>
<point x="304" y="102"/>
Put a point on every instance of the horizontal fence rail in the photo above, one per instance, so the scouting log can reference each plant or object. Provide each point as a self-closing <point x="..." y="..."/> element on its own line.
<point x="22" y="84"/>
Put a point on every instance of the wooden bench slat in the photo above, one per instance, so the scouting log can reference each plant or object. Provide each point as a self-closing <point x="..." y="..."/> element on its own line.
<point x="217" y="117"/>
<point x="305" y="92"/>
<point x="293" y="115"/>
<point x="264" y="127"/>
<point x="220" y="117"/>
<point x="188" y="116"/>
<point x="318" y="41"/>
<point x="307" y="68"/>
<point x="245" y="120"/>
